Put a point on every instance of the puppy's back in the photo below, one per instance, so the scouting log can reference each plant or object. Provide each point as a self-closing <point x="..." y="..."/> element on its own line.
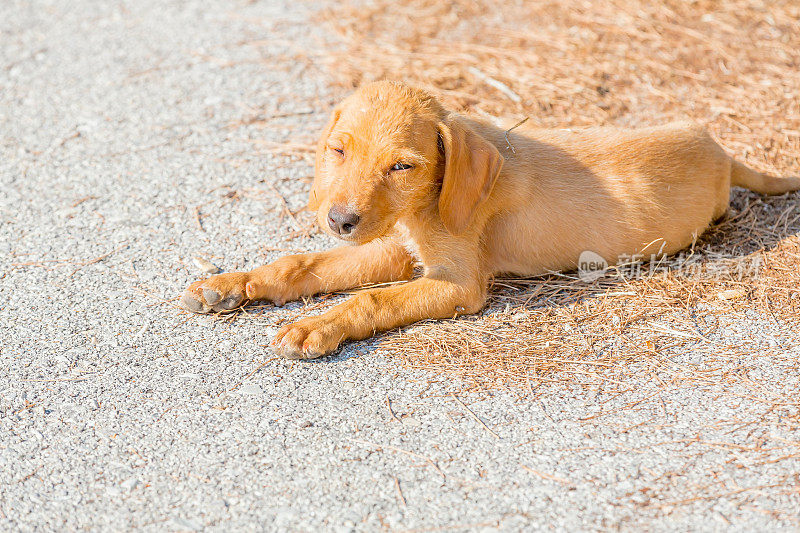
<point x="615" y="192"/>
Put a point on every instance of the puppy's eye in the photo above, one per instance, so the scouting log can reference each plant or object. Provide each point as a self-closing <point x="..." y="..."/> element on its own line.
<point x="400" y="166"/>
<point x="338" y="151"/>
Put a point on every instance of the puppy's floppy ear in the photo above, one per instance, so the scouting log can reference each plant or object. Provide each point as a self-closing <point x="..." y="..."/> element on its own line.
<point x="322" y="145"/>
<point x="472" y="165"/>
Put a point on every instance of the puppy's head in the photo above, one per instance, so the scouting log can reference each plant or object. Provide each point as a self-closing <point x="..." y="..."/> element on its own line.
<point x="390" y="151"/>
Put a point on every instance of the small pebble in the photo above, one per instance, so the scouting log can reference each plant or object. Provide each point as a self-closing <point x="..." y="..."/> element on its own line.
<point x="206" y="266"/>
<point x="251" y="388"/>
<point x="184" y="524"/>
<point x="411" y="422"/>
<point x="731" y="294"/>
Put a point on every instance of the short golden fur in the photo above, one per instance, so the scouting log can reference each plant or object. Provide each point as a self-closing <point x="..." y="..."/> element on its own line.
<point x="468" y="200"/>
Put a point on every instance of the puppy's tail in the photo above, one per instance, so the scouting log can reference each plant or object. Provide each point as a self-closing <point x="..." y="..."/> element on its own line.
<point x="742" y="176"/>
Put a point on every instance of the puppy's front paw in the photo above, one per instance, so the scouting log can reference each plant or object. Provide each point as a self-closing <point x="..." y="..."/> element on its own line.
<point x="308" y="338"/>
<point x="221" y="293"/>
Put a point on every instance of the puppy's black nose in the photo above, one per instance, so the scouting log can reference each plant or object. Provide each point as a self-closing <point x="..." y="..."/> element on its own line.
<point x="342" y="221"/>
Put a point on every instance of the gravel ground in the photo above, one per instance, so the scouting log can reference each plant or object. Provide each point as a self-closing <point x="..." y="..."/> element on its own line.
<point x="135" y="136"/>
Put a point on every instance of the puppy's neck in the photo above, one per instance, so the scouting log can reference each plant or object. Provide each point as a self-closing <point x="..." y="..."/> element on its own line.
<point x="407" y="237"/>
<point x="425" y="238"/>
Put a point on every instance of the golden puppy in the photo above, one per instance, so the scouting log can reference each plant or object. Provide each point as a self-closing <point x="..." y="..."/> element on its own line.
<point x="408" y="182"/>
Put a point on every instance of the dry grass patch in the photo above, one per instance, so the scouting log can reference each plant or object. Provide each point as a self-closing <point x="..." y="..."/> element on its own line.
<point x="733" y="66"/>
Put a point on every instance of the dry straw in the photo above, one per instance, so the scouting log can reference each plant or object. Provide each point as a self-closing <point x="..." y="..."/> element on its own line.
<point x="733" y="66"/>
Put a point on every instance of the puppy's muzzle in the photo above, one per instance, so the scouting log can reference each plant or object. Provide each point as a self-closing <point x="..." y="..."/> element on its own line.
<point x="342" y="221"/>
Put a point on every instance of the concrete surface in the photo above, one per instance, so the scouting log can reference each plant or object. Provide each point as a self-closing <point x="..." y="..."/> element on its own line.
<point x="135" y="136"/>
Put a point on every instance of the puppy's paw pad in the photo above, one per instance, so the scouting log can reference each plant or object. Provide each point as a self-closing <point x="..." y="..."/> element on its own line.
<point x="211" y="296"/>
<point x="231" y="302"/>
<point x="191" y="303"/>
